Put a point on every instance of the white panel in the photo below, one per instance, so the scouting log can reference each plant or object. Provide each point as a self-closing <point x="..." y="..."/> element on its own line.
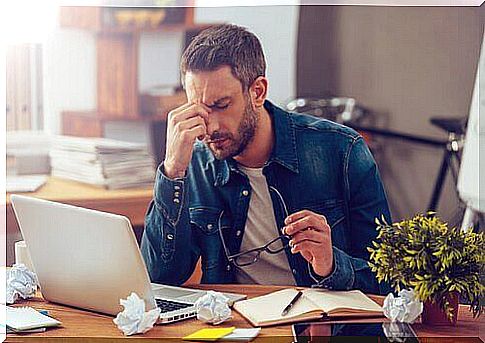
<point x="159" y="56"/>
<point x="69" y="62"/>
<point x="470" y="186"/>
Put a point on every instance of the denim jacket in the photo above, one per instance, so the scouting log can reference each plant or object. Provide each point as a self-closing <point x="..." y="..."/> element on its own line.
<point x="315" y="164"/>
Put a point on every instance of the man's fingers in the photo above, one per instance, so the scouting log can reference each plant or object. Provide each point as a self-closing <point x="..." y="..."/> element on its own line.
<point x="297" y="215"/>
<point x="173" y="113"/>
<point x="303" y="224"/>
<point x="192" y="111"/>
<point x="306" y="247"/>
<point x="190" y="123"/>
<point x="315" y="221"/>
<point x="310" y="235"/>
<point x="188" y="136"/>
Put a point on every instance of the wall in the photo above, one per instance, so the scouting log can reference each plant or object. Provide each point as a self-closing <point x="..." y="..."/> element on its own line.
<point x="407" y="65"/>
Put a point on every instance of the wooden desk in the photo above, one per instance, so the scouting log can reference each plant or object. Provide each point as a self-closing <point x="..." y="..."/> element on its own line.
<point x="131" y="203"/>
<point x="90" y="326"/>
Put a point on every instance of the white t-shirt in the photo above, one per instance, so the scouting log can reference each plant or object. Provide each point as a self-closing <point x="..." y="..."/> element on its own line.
<point x="270" y="269"/>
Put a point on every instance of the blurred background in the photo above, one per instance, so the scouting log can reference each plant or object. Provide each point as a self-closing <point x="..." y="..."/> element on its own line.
<point x="113" y="72"/>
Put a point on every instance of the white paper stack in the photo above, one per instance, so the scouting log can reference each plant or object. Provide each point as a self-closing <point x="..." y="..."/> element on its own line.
<point x="102" y="162"/>
<point x="26" y="318"/>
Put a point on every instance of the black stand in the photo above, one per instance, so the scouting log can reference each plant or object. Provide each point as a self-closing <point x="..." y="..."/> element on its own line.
<point x="451" y="157"/>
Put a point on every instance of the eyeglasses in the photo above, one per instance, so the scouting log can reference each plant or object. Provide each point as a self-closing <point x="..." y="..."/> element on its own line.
<point x="252" y="256"/>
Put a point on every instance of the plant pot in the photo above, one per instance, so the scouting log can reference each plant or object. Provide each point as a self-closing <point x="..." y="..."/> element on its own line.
<point x="434" y="315"/>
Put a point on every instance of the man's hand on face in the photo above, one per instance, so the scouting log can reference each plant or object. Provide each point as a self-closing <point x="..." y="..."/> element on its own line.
<point x="184" y="125"/>
<point x="310" y="236"/>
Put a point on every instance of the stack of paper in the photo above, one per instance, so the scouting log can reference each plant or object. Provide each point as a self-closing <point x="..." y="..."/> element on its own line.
<point x="103" y="162"/>
<point x="27" y="152"/>
<point x="24" y="183"/>
<point x="26" y="319"/>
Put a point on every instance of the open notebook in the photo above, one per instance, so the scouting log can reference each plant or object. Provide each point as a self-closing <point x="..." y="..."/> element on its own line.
<point x="266" y="310"/>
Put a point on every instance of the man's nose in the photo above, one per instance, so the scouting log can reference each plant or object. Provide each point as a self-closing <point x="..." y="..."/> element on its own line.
<point x="212" y="124"/>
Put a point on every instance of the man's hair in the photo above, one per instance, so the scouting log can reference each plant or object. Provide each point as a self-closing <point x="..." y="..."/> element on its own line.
<point x="229" y="45"/>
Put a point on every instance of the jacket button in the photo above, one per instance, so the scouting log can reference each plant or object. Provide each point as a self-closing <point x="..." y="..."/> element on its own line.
<point x="238" y="233"/>
<point x="245" y="192"/>
<point x="293" y="271"/>
<point x="210" y="226"/>
<point x="176" y="188"/>
<point x="170" y="236"/>
<point x="228" y="268"/>
<point x="177" y="201"/>
<point x="176" y="194"/>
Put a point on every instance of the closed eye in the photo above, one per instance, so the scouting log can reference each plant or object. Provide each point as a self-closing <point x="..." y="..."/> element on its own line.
<point x="219" y="106"/>
<point x="222" y="107"/>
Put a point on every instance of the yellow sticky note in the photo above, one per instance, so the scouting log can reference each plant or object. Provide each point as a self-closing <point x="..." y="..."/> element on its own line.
<point x="209" y="334"/>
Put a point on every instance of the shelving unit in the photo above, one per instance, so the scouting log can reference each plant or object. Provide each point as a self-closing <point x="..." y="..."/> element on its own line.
<point x="117" y="53"/>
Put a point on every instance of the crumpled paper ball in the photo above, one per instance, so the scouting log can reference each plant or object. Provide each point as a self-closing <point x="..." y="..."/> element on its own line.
<point x="213" y="308"/>
<point x="133" y="319"/>
<point x="21" y="283"/>
<point x="405" y="308"/>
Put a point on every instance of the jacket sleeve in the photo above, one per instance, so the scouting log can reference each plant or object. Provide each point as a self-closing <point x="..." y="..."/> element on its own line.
<point x="366" y="200"/>
<point x="168" y="246"/>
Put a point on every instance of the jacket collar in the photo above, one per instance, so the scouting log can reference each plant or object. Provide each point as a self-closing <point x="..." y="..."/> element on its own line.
<point x="284" y="149"/>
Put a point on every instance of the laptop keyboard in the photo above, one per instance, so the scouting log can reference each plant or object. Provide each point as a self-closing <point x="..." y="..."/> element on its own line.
<point x="168" y="305"/>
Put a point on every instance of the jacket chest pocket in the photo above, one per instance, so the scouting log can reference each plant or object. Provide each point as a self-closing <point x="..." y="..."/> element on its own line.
<point x="206" y="219"/>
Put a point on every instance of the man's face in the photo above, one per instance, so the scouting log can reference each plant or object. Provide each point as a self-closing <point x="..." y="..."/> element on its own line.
<point x="232" y="121"/>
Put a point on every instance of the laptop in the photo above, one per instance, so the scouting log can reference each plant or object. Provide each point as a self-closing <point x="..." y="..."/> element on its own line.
<point x="90" y="260"/>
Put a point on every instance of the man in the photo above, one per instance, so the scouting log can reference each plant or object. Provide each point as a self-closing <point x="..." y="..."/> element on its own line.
<point x="260" y="194"/>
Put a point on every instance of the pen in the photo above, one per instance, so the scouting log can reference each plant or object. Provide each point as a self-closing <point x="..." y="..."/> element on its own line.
<point x="292" y="302"/>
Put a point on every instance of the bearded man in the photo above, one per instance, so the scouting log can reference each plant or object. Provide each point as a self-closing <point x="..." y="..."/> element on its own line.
<point x="259" y="194"/>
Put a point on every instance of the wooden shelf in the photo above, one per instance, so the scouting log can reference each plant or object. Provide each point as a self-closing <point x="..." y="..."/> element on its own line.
<point x="103" y="19"/>
<point x="166" y="28"/>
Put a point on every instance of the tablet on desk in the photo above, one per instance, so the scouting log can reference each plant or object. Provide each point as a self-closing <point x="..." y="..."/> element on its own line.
<point x="353" y="332"/>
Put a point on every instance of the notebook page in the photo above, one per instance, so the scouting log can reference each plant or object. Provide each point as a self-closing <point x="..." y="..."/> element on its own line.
<point x="331" y="301"/>
<point x="23" y="318"/>
<point x="268" y="307"/>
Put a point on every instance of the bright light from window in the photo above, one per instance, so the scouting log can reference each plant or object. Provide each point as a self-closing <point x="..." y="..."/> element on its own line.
<point x="28" y="21"/>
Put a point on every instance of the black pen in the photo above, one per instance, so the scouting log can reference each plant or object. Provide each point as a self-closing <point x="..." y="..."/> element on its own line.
<point x="292" y="302"/>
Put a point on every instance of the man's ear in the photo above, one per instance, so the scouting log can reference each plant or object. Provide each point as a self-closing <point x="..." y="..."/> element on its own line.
<point x="258" y="91"/>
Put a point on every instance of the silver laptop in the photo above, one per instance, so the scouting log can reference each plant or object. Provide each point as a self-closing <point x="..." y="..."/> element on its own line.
<point x="90" y="259"/>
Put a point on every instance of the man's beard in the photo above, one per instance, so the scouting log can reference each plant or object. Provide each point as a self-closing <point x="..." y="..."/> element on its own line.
<point x="235" y="145"/>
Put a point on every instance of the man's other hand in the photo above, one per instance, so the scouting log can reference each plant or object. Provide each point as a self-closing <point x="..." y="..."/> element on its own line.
<point x="311" y="237"/>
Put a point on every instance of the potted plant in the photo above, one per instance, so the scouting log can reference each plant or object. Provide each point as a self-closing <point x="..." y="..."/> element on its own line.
<point x="440" y="263"/>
